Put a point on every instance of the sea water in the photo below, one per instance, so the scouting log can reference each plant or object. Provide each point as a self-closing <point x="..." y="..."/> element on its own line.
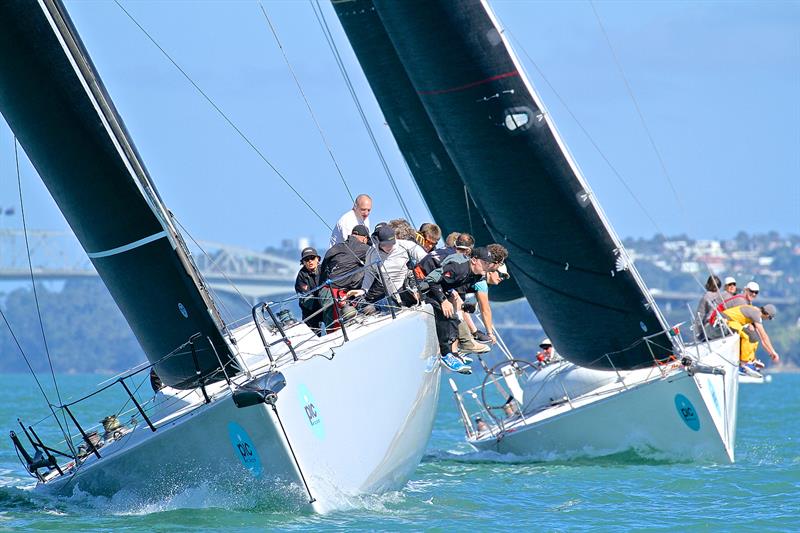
<point x="455" y="488"/>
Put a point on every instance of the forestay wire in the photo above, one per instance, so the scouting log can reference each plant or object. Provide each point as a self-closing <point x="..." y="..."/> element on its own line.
<point x="326" y="31"/>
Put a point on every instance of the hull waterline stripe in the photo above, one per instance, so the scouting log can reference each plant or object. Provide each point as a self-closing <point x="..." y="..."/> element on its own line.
<point x="130" y="246"/>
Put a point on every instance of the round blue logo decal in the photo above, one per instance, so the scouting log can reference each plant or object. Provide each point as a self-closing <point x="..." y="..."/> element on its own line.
<point x="311" y="411"/>
<point x="245" y="449"/>
<point x="687" y="412"/>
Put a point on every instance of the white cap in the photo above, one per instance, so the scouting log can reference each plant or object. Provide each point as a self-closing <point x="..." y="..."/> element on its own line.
<point x="503" y="270"/>
<point x="545" y="342"/>
<point x="729" y="280"/>
<point x="752" y="286"/>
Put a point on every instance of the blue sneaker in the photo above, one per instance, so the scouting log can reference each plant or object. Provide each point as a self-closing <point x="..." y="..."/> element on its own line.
<point x="451" y="362"/>
<point x="467" y="360"/>
<point x="749" y="369"/>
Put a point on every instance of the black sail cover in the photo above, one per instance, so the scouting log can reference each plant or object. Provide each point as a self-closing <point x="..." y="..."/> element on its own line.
<point x="56" y="105"/>
<point x="450" y="60"/>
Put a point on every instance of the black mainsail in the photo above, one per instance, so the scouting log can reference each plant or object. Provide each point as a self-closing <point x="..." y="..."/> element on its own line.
<point x="446" y="196"/>
<point x="57" y="106"/>
<point x="451" y="60"/>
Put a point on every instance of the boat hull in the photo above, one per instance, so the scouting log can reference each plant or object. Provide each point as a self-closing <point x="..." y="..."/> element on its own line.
<point x="355" y="421"/>
<point x="678" y="416"/>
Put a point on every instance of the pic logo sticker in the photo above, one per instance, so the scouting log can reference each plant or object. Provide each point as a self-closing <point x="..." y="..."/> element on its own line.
<point x="244" y="449"/>
<point x="311" y="411"/>
<point x="687" y="412"/>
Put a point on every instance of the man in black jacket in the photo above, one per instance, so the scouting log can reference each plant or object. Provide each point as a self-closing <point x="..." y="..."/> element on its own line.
<point x="444" y="284"/>
<point x="307" y="285"/>
<point x="343" y="266"/>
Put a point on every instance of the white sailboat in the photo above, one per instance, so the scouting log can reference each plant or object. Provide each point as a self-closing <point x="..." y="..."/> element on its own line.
<point x="264" y="400"/>
<point x="489" y="160"/>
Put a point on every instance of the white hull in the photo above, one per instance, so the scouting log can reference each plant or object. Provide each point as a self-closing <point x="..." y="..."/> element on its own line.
<point x="751" y="380"/>
<point x="372" y="408"/>
<point x="658" y="412"/>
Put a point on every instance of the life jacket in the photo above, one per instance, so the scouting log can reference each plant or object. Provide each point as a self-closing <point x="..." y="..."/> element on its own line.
<point x="735" y="314"/>
<point x="712" y="318"/>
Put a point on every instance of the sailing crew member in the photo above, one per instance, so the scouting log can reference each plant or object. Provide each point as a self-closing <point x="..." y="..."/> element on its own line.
<point x="435" y="258"/>
<point x="708" y="303"/>
<point x="494" y="277"/>
<point x="388" y="262"/>
<point x="744" y="298"/>
<point x="730" y="286"/>
<point x="342" y="267"/>
<point x="444" y="283"/>
<point x="471" y="335"/>
<point x="546" y="353"/>
<point x="747" y="321"/>
<point x="359" y="214"/>
<point x="428" y="235"/>
<point x="308" y="282"/>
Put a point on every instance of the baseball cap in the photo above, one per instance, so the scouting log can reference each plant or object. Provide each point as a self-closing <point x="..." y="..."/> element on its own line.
<point x="770" y="310"/>
<point x="308" y="252"/>
<point x="752" y="286"/>
<point x="481" y="252"/>
<point x="730" y="280"/>
<point x="385" y="234"/>
<point x="545" y="342"/>
<point x="360" y="230"/>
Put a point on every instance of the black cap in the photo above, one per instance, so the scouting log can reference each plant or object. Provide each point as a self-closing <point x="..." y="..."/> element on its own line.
<point x="385" y="234"/>
<point x="360" y="230"/>
<point x="308" y="252"/>
<point x="481" y="252"/>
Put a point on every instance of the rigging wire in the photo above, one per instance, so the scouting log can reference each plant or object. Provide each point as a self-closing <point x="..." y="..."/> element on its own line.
<point x="36" y="298"/>
<point x="592" y="141"/>
<point x="225" y="117"/>
<point x="638" y="109"/>
<point x="213" y="262"/>
<point x="305" y="99"/>
<point x="326" y="31"/>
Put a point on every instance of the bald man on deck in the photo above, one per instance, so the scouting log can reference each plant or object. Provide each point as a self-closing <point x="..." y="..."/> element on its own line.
<point x="359" y="214"/>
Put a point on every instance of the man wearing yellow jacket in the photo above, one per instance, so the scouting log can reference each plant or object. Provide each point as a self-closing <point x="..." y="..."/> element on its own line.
<point x="747" y="321"/>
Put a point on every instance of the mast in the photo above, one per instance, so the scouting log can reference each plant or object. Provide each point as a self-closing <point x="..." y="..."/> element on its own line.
<point x="54" y="101"/>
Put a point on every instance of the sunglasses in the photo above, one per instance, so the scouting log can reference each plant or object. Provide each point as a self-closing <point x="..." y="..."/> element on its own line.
<point x="729" y="284"/>
<point x="753" y="292"/>
<point x="307" y="259"/>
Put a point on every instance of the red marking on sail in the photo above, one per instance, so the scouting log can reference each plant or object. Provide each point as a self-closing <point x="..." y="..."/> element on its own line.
<point x="473" y="84"/>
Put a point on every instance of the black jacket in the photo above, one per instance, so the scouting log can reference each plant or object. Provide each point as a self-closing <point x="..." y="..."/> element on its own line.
<point x="450" y="277"/>
<point x="303" y="285"/>
<point x="434" y="259"/>
<point x="342" y="258"/>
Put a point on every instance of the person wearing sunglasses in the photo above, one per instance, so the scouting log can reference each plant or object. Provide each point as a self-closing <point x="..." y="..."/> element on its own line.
<point x="748" y="322"/>
<point x="730" y="287"/>
<point x="308" y="282"/>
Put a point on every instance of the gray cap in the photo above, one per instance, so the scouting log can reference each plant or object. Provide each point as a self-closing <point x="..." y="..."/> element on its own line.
<point x="769" y="310"/>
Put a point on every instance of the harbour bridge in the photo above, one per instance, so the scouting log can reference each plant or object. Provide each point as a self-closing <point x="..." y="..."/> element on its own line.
<point x="227" y="269"/>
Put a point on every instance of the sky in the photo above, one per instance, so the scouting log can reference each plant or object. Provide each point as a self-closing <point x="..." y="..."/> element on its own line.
<point x="717" y="83"/>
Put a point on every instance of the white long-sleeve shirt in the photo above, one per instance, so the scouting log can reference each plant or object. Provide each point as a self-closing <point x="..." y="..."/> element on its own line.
<point x="344" y="227"/>
<point x="394" y="263"/>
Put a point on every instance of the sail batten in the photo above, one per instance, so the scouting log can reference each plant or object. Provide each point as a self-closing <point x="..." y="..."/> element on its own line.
<point x="527" y="190"/>
<point x="56" y="105"/>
